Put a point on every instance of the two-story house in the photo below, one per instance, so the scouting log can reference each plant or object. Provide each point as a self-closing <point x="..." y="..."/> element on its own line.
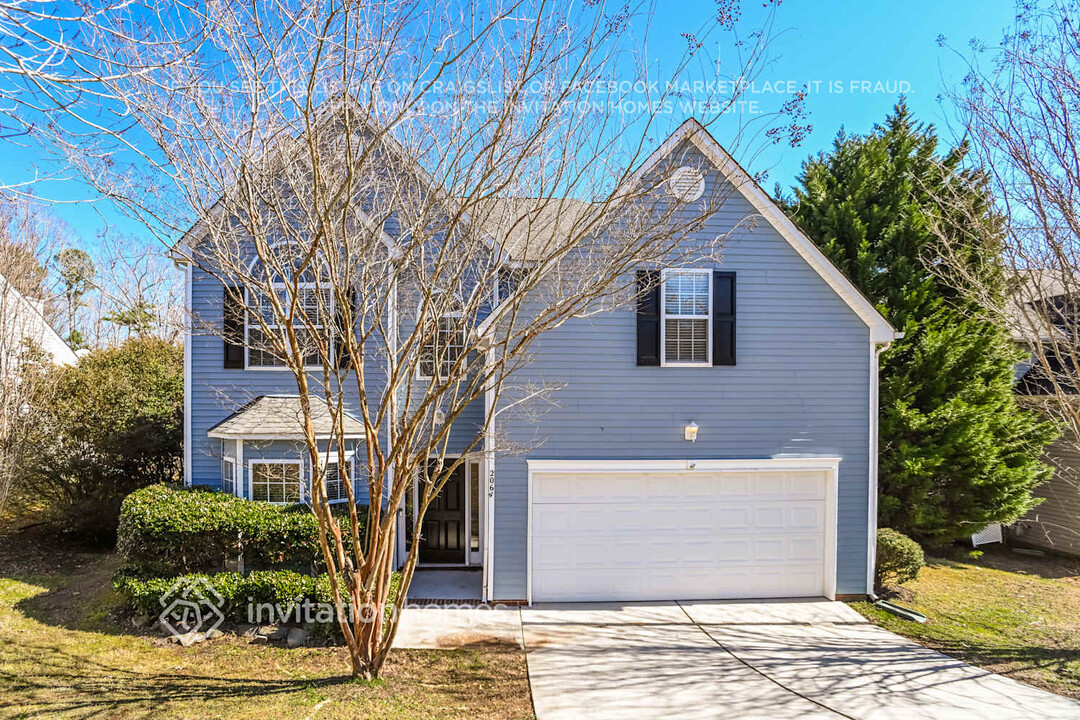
<point x="715" y="439"/>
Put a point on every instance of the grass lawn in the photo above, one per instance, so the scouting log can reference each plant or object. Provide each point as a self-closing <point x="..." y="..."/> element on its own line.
<point x="63" y="654"/>
<point x="1015" y="615"/>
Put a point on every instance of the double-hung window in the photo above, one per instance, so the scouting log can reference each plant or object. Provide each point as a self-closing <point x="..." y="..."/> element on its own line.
<point x="445" y="346"/>
<point x="686" y="312"/>
<point x="228" y="473"/>
<point x="276" y="481"/>
<point x="314" y="302"/>
<point x="337" y="479"/>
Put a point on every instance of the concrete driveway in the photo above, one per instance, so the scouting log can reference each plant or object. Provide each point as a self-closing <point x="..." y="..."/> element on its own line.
<point x="767" y="659"/>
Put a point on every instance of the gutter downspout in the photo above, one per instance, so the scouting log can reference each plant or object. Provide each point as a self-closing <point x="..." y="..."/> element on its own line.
<point x="188" y="323"/>
<point x="391" y="408"/>
<point x="872" y="500"/>
<point x="487" y="486"/>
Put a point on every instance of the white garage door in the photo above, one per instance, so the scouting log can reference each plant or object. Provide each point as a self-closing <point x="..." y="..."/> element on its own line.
<point x="679" y="534"/>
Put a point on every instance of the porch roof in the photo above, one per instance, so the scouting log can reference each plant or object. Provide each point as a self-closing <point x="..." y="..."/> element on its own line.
<point x="280" y="417"/>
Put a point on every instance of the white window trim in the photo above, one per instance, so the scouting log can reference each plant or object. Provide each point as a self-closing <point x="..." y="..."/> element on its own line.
<point x="664" y="317"/>
<point x="248" y="305"/>
<point x="326" y="459"/>
<point x="273" y="461"/>
<point x="419" y="364"/>
<point x="231" y="462"/>
<point x="508" y="265"/>
<point x="230" y="458"/>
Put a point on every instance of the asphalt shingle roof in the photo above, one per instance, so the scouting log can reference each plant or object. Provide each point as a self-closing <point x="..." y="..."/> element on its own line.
<point x="528" y="228"/>
<point x="281" y="416"/>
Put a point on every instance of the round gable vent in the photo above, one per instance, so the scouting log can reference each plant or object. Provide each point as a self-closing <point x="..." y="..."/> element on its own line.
<point x="686" y="184"/>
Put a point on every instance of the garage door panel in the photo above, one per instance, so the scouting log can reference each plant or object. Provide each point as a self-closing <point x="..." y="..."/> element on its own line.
<point x="678" y="535"/>
<point x="770" y="484"/>
<point x="731" y="519"/>
<point x="597" y="584"/>
<point x="769" y="551"/>
<point x="732" y="485"/>
<point x="806" y="517"/>
<point x="769" y="517"/>
<point x="671" y="552"/>
<point x="807" y="485"/>
<point x="806" y="548"/>
<point x="549" y="520"/>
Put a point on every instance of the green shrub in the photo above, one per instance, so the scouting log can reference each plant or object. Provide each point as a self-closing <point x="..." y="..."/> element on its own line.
<point x="899" y="558"/>
<point x="276" y="587"/>
<point x="169" y="531"/>
<point x="103" y="428"/>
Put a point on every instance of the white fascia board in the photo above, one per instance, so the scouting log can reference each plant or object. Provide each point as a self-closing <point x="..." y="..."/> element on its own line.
<point x="298" y="437"/>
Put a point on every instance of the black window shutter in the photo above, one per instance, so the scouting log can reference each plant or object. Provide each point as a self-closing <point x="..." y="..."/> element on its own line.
<point x="344" y="360"/>
<point x="723" y="344"/>
<point x="233" y="328"/>
<point x="648" y="317"/>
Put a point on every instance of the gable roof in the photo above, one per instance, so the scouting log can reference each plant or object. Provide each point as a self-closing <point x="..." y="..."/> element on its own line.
<point x="21" y="319"/>
<point x="694" y="132"/>
<point x="517" y="224"/>
<point x="281" y="417"/>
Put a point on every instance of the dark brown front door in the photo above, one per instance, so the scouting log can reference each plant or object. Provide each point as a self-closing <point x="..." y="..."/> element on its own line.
<point x="444" y="538"/>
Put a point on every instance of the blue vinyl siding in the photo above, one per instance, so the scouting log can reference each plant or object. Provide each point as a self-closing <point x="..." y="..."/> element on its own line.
<point x="217" y="392"/>
<point x="800" y="387"/>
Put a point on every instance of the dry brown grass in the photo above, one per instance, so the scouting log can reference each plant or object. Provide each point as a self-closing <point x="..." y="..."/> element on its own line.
<point x="64" y="654"/>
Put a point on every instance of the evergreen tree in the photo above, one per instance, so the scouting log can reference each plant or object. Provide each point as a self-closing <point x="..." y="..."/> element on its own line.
<point x="956" y="450"/>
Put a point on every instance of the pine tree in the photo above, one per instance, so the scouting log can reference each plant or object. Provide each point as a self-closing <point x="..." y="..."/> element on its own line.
<point x="956" y="450"/>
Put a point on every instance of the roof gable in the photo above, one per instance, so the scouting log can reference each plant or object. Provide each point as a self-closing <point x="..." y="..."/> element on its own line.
<point x="694" y="132"/>
<point x="21" y="318"/>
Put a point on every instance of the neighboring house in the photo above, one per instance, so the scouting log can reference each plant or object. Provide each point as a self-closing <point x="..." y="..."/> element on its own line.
<point x="774" y="497"/>
<point x="23" y="323"/>
<point x="1046" y="308"/>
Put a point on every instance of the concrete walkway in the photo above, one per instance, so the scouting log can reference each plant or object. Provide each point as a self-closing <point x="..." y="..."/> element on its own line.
<point x="765" y="659"/>
<point x="461" y="585"/>
<point x="444" y="628"/>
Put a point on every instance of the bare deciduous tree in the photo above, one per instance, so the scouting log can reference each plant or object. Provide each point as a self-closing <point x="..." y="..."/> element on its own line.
<point x="24" y="313"/>
<point x="1017" y="106"/>
<point x="137" y="292"/>
<point x="403" y="197"/>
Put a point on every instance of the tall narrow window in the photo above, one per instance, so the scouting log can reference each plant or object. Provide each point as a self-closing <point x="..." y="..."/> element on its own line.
<point x="474" y="507"/>
<point x="686" y="308"/>
<point x="275" y="481"/>
<point x="228" y="475"/>
<point x="444" y="348"/>
<point x="336" y="481"/>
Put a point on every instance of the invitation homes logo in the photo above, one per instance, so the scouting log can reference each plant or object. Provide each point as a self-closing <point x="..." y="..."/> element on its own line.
<point x="191" y="608"/>
<point x="192" y="611"/>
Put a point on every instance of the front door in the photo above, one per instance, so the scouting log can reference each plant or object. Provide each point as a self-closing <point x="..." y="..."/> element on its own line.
<point x="444" y="532"/>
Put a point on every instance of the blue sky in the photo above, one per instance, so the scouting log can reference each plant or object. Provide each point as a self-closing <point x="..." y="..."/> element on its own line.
<point x="836" y="47"/>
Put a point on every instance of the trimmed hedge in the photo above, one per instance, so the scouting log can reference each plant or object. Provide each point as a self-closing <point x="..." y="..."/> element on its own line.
<point x="899" y="558"/>
<point x="277" y="587"/>
<point x="262" y="586"/>
<point x="170" y="531"/>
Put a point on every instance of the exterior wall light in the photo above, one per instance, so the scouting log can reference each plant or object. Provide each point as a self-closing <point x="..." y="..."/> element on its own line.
<point x="690" y="431"/>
